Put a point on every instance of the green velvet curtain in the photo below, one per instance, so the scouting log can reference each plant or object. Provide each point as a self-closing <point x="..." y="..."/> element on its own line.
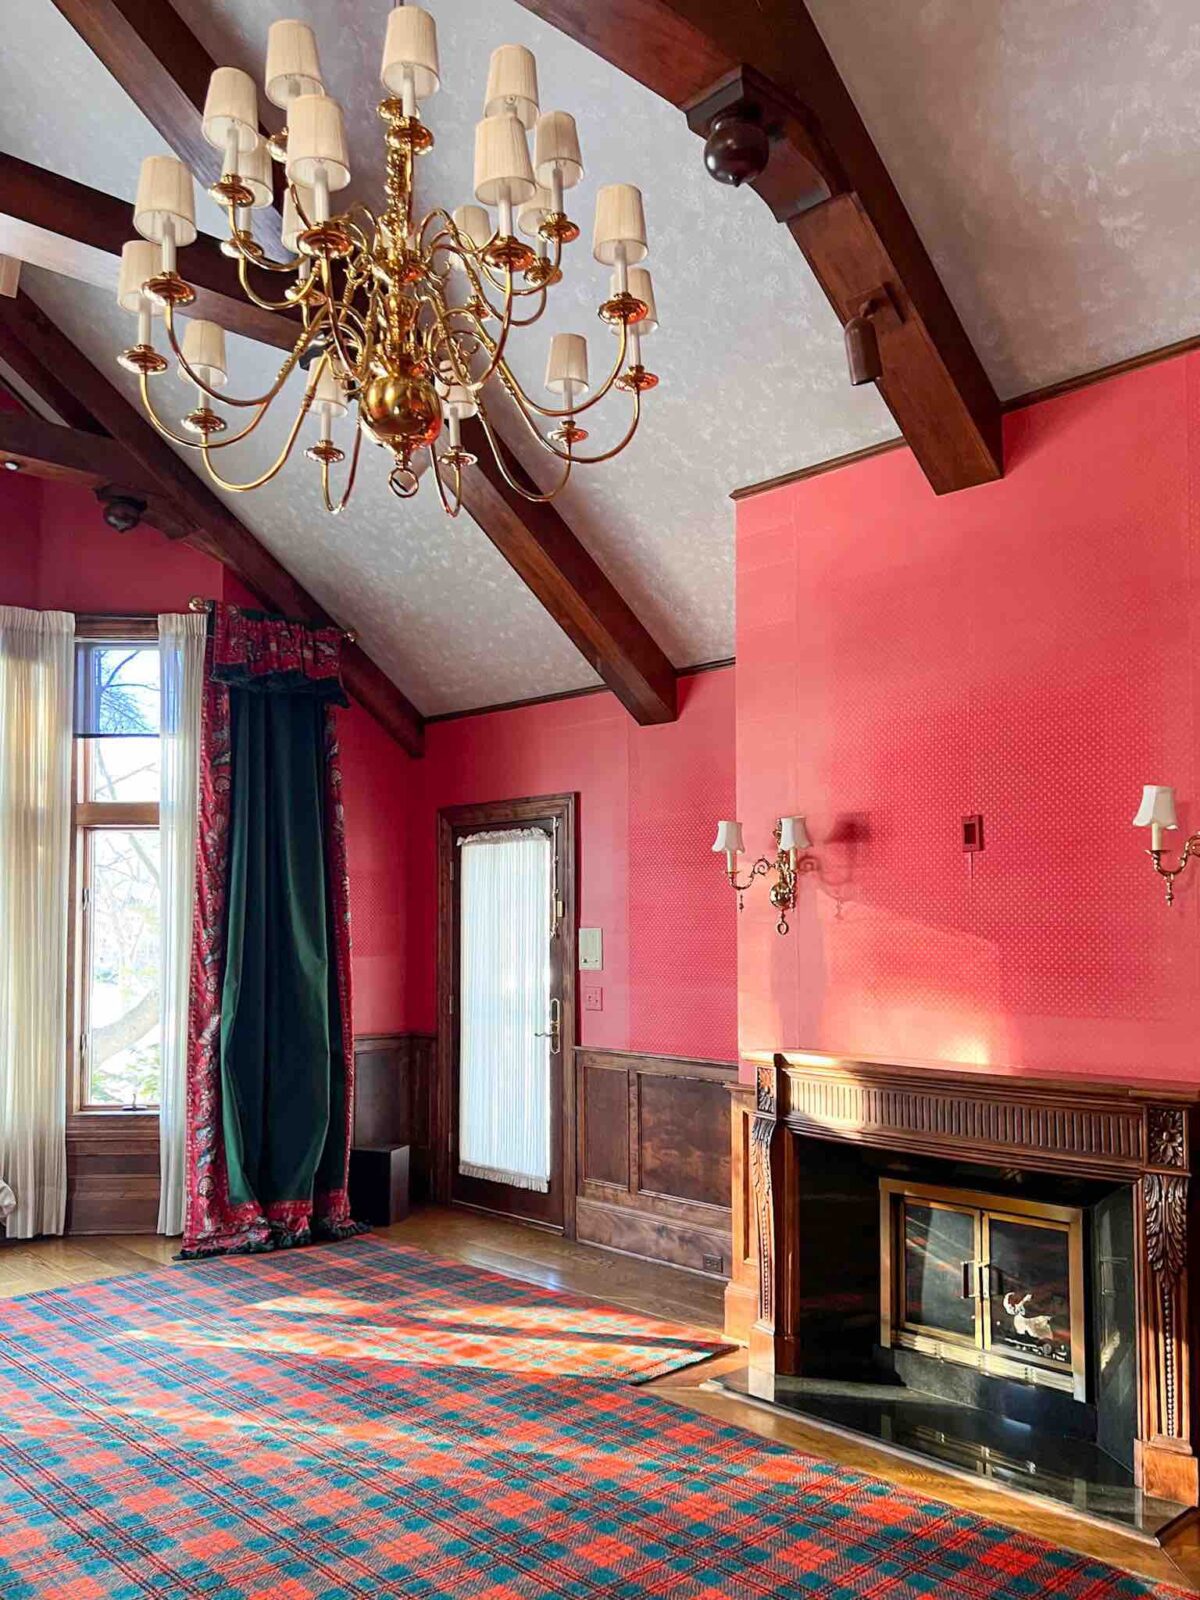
<point x="283" y="1076"/>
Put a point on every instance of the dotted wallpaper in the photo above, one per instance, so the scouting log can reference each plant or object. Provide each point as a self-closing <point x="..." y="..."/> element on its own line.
<point x="1025" y="650"/>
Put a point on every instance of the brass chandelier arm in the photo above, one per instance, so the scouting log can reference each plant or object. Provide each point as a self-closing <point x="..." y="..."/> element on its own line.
<point x="285" y="372"/>
<point x="538" y="498"/>
<point x="276" y="466"/>
<point x="607" y="455"/>
<point x="335" y="508"/>
<point x="574" y="411"/>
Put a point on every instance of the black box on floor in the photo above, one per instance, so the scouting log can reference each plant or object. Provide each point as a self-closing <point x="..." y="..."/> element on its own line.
<point x="379" y="1183"/>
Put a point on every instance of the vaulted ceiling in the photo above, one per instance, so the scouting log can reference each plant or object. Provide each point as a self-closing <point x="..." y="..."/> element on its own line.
<point x="1044" y="152"/>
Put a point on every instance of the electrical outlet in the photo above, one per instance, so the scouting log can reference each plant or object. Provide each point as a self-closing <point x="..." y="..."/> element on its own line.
<point x="972" y="832"/>
<point x="593" y="999"/>
<point x="714" y="1263"/>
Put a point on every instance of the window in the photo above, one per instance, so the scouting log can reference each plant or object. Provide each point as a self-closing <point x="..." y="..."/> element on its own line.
<point x="116" y="925"/>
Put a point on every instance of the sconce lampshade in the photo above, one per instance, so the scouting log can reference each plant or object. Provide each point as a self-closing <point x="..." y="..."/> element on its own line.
<point x="512" y="86"/>
<point x="641" y="287"/>
<point x="620" y="220"/>
<point x="204" y="352"/>
<point x="568" y="363"/>
<point x="556" y="144"/>
<point x="474" y="224"/>
<point x="139" y="261"/>
<point x="729" y="839"/>
<point x="502" y="166"/>
<point x="316" y="139"/>
<point x="165" y="191"/>
<point x="293" y="66"/>
<point x="411" y="46"/>
<point x="293" y="223"/>
<point x="793" y="834"/>
<point x="1157" y="807"/>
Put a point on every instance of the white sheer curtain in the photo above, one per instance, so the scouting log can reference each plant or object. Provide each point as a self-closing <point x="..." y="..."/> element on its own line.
<point x="504" y="1067"/>
<point x="181" y="646"/>
<point x="36" y="693"/>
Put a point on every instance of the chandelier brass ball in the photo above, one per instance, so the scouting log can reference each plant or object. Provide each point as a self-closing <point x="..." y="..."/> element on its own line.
<point x="401" y="409"/>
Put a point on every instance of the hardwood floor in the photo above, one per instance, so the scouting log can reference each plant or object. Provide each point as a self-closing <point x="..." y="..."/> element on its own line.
<point x="544" y="1258"/>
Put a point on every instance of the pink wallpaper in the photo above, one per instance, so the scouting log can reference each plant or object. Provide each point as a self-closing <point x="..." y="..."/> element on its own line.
<point x="648" y="797"/>
<point x="1026" y="650"/>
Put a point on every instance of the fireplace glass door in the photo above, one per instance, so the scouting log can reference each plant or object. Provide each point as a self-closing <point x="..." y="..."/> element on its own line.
<point x="993" y="1282"/>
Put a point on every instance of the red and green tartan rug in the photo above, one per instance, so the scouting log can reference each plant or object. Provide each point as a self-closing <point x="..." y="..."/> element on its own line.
<point x="362" y="1420"/>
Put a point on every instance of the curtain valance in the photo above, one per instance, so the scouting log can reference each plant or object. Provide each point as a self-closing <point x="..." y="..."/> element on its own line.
<point x="270" y="655"/>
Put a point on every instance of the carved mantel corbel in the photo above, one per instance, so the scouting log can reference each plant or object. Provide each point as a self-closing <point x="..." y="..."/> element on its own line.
<point x="1168" y="1462"/>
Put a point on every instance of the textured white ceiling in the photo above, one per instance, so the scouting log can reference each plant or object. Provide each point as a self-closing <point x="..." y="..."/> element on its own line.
<point x="1044" y="147"/>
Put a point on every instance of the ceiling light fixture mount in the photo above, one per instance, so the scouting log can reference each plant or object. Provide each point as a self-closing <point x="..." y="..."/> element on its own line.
<point x="405" y="319"/>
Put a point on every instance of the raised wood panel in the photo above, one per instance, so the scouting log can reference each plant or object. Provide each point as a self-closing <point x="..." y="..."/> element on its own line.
<point x="683" y="1143"/>
<point x="112" y="1174"/>
<point x="604" y="1130"/>
<point x="394" y="1082"/>
<point x="654" y="1157"/>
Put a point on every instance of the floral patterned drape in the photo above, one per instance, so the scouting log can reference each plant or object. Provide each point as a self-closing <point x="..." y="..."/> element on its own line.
<point x="242" y="1192"/>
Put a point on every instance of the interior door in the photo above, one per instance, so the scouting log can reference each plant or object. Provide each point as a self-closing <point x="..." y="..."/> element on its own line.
<point x="509" y="1023"/>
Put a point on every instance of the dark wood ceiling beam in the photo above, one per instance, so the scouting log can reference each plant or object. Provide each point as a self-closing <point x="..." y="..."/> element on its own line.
<point x="827" y="182"/>
<point x="90" y="460"/>
<point x="219" y="531"/>
<point x="544" y="552"/>
<point x="33" y="199"/>
<point x="158" y="61"/>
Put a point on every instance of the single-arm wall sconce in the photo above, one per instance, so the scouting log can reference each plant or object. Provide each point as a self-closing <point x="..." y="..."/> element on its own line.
<point x="1157" y="812"/>
<point x="791" y="839"/>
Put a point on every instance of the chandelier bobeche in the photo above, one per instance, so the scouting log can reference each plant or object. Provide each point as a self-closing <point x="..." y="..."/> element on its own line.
<point x="404" y="319"/>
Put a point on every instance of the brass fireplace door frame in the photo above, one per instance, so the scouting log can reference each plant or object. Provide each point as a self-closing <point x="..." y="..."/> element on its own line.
<point x="896" y="1331"/>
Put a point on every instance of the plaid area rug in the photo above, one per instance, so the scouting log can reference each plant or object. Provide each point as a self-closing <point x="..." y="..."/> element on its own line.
<point x="137" y="1467"/>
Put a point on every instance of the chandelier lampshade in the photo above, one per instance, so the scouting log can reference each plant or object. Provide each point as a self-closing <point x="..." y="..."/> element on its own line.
<point x="410" y="53"/>
<point x="255" y="172"/>
<point x="512" y="85"/>
<point x="620" y="224"/>
<point x="139" y="262"/>
<point x="231" y="111"/>
<point x="641" y="287"/>
<point x="165" y="199"/>
<point x="293" y="65"/>
<point x="567" y="364"/>
<point x="556" y="149"/>
<point x="534" y="211"/>
<point x="316" y="142"/>
<point x="204" y="353"/>
<point x="400" y="318"/>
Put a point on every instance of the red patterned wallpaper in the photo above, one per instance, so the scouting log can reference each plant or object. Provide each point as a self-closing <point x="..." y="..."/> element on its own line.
<point x="1026" y="650"/>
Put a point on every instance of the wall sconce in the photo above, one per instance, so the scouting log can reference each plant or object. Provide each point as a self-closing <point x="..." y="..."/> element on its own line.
<point x="791" y="838"/>
<point x="1157" y="812"/>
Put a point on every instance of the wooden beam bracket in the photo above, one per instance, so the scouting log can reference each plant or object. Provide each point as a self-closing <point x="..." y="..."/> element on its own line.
<point x="799" y="170"/>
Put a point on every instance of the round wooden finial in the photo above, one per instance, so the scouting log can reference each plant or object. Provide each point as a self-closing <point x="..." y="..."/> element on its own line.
<point x="737" y="148"/>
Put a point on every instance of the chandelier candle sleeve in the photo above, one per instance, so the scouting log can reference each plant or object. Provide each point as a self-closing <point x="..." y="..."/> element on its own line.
<point x="139" y="261"/>
<point x="512" y="85"/>
<point x="410" y="56"/>
<point x="293" y="65"/>
<point x="1156" y="812"/>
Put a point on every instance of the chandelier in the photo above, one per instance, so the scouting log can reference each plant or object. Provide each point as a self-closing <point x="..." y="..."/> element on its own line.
<point x="403" y="320"/>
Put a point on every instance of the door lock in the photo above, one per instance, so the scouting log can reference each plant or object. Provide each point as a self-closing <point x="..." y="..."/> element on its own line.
<point x="554" y="1032"/>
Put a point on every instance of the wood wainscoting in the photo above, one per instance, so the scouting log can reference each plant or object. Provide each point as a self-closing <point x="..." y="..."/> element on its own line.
<point x="394" y="1086"/>
<point x="112" y="1172"/>
<point x="652" y="1141"/>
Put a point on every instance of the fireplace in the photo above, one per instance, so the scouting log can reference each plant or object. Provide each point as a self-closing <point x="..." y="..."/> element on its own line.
<point x="990" y="1283"/>
<point x="987" y="1270"/>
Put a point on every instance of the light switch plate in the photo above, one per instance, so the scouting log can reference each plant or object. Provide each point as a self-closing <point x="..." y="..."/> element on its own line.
<point x="591" y="949"/>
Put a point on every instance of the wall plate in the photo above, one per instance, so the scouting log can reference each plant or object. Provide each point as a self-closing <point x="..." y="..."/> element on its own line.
<point x="591" y="949"/>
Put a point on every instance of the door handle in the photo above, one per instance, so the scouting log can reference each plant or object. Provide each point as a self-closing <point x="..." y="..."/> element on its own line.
<point x="554" y="1032"/>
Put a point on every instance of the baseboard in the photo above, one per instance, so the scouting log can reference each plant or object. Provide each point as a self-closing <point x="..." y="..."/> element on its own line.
<point x="652" y="1238"/>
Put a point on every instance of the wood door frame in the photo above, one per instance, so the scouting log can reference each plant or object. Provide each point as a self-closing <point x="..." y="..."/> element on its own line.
<point x="563" y="809"/>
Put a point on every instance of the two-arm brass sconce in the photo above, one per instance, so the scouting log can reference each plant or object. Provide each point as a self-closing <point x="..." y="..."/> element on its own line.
<point x="791" y="840"/>
<point x="1157" y="812"/>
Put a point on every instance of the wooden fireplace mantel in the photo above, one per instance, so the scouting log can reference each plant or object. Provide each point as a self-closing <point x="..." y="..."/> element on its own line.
<point x="1144" y="1134"/>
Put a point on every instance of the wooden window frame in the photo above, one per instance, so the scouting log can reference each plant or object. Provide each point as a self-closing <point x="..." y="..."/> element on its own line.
<point x="87" y="816"/>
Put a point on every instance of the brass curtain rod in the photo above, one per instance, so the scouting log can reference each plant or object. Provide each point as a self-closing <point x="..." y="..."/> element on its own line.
<point x="199" y="603"/>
